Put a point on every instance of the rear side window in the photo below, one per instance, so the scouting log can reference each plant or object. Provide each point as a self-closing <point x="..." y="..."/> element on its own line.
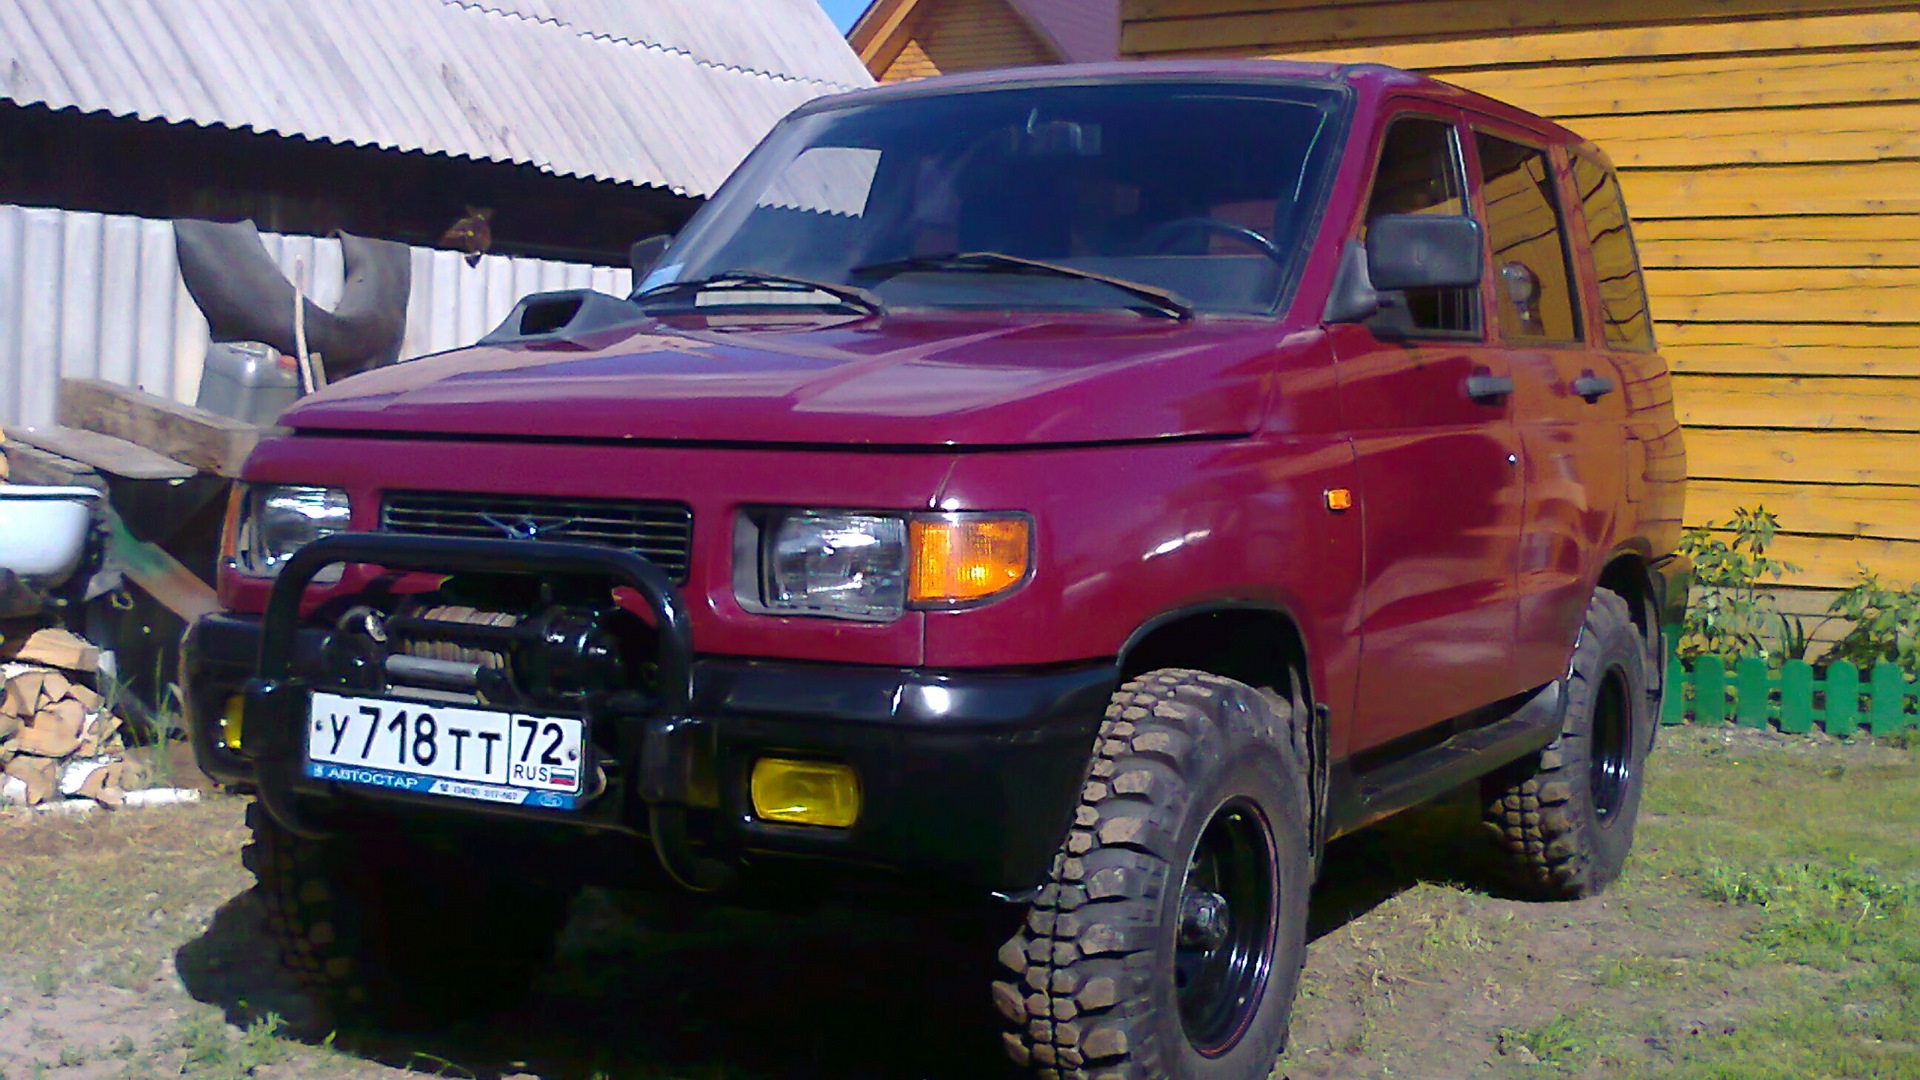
<point x="1531" y="265"/>
<point x="1624" y="314"/>
<point x="1420" y="173"/>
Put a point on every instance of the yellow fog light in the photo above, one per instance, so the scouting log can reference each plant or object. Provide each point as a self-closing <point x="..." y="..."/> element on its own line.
<point x="967" y="558"/>
<point x="805" y="793"/>
<point x="230" y="722"/>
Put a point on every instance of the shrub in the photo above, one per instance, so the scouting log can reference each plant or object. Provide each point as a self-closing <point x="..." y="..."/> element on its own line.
<point x="1884" y="622"/>
<point x="1728" y="615"/>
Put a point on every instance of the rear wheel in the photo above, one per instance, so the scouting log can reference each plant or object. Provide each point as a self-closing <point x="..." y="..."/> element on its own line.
<point x="1565" y="817"/>
<point x="1169" y="940"/>
<point x="392" y="932"/>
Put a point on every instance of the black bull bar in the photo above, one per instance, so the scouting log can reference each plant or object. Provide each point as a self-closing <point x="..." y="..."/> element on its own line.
<point x="657" y="739"/>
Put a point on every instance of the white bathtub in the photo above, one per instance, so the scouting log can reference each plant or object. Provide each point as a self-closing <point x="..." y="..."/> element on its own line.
<point x="43" y="530"/>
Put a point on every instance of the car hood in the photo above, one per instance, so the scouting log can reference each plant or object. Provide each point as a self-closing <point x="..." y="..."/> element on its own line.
<point x="952" y="381"/>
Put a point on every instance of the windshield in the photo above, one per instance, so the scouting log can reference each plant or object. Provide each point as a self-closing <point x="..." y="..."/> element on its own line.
<point x="1200" y="192"/>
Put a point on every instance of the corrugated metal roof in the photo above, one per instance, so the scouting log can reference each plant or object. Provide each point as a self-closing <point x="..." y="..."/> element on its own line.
<point x="99" y="296"/>
<point x="664" y="92"/>
<point x="772" y="37"/>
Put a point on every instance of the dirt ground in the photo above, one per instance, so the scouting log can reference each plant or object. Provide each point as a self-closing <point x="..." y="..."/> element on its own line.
<point x="1769" y="925"/>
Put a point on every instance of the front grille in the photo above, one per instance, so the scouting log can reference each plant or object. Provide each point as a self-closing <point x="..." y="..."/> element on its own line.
<point x="662" y="532"/>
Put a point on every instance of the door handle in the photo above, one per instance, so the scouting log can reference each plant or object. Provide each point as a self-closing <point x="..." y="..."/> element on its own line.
<point x="1487" y="388"/>
<point x="1592" y="387"/>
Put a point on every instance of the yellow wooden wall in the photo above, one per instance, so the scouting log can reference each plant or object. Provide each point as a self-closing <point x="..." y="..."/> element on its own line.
<point x="949" y="36"/>
<point x="1770" y="154"/>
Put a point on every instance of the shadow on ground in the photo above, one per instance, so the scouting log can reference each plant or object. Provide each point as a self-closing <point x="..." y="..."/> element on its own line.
<point x="1442" y="843"/>
<point x="737" y="994"/>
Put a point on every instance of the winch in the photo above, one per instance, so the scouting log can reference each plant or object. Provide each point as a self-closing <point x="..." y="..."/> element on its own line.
<point x="485" y="642"/>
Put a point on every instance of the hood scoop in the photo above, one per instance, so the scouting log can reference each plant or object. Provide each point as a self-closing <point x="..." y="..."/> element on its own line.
<point x="574" y="318"/>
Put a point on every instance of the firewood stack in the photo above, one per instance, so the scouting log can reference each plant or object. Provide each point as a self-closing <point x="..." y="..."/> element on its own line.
<point x="58" y="738"/>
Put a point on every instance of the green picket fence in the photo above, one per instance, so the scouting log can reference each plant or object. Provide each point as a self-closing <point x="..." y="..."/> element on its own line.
<point x="1795" y="697"/>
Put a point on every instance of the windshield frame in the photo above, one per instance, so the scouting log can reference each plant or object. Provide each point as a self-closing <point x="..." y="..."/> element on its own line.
<point x="1327" y="154"/>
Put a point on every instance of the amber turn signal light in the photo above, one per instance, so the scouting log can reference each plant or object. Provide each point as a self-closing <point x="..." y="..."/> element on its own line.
<point x="967" y="558"/>
<point x="805" y="793"/>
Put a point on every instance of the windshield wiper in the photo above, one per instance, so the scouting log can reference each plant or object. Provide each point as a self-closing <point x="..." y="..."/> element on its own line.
<point x="1161" y="300"/>
<point x="845" y="295"/>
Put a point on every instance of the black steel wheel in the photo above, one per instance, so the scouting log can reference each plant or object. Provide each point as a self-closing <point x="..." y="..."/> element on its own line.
<point x="1169" y="940"/>
<point x="1611" y="760"/>
<point x="1229" y="898"/>
<point x="1564" y="817"/>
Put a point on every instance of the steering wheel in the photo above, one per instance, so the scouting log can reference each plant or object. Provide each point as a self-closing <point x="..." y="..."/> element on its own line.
<point x="1160" y="235"/>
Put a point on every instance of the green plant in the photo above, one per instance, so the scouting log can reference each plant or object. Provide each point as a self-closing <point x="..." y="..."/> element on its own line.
<point x="1885" y="624"/>
<point x="1730" y="616"/>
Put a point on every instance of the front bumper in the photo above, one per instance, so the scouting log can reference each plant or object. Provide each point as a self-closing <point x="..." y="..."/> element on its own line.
<point x="968" y="778"/>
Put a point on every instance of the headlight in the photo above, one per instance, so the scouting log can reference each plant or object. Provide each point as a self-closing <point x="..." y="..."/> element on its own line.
<point x="874" y="566"/>
<point x="277" y="520"/>
<point x="850" y="566"/>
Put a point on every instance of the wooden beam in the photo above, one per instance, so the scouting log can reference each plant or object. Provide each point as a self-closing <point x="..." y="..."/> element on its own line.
<point x="1795" y="403"/>
<point x="1581" y="47"/>
<point x="196" y="437"/>
<point x="1874" y="187"/>
<point x="873" y="35"/>
<point x="104" y="452"/>
<point x="32" y="465"/>
<point x="1881" y="294"/>
<point x="1272" y="26"/>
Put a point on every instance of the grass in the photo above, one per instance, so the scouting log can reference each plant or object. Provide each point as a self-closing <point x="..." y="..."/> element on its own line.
<point x="1768" y="926"/>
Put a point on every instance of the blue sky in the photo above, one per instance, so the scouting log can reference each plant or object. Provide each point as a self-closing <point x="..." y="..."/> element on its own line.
<point x="843" y="12"/>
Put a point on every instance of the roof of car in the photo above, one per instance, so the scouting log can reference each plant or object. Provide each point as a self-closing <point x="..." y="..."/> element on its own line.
<point x="1378" y="78"/>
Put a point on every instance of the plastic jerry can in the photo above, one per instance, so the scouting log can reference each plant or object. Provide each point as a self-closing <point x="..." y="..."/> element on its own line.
<point x="247" y="380"/>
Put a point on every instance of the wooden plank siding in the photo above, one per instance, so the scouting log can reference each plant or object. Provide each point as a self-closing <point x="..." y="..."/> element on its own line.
<point x="951" y="36"/>
<point x="1770" y="154"/>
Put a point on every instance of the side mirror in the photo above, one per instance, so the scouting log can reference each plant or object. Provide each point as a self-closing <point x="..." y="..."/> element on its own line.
<point x="1424" y="251"/>
<point x="645" y="254"/>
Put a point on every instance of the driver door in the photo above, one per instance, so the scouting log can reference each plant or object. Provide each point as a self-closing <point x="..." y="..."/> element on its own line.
<point x="1429" y="406"/>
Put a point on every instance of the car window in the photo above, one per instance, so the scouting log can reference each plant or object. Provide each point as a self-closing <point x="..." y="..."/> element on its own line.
<point x="1208" y="191"/>
<point x="1527" y="232"/>
<point x="1624" y="314"/>
<point x="1420" y="173"/>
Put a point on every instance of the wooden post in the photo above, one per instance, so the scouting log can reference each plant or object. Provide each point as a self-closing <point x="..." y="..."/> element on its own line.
<point x="1673" y="704"/>
<point x="1796" y="697"/>
<point x="1843" y="699"/>
<point x="1709" y="690"/>
<point x="1750" y="692"/>
<point x="1887" y="708"/>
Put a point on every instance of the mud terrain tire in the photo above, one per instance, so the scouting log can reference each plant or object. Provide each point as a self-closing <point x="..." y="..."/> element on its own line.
<point x="389" y="932"/>
<point x="1125" y="969"/>
<point x="1564" y="817"/>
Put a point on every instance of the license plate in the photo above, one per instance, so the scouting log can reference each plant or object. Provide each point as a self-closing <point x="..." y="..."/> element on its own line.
<point x="483" y="754"/>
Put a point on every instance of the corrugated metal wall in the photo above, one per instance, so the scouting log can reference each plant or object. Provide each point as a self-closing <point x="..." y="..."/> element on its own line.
<point x="100" y="296"/>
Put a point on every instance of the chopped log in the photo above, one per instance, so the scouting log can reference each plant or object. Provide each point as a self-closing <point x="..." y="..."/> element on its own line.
<point x="54" y="648"/>
<point x="104" y="452"/>
<point x="196" y="437"/>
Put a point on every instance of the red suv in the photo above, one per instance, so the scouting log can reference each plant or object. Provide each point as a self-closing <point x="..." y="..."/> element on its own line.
<point x="1084" y="491"/>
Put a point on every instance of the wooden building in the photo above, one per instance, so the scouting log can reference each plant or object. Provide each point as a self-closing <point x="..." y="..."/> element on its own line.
<point x="1770" y="153"/>
<point x="911" y="39"/>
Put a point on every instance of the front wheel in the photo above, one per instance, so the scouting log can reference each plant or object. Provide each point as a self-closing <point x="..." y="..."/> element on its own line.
<point x="395" y="933"/>
<point x="1169" y="939"/>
